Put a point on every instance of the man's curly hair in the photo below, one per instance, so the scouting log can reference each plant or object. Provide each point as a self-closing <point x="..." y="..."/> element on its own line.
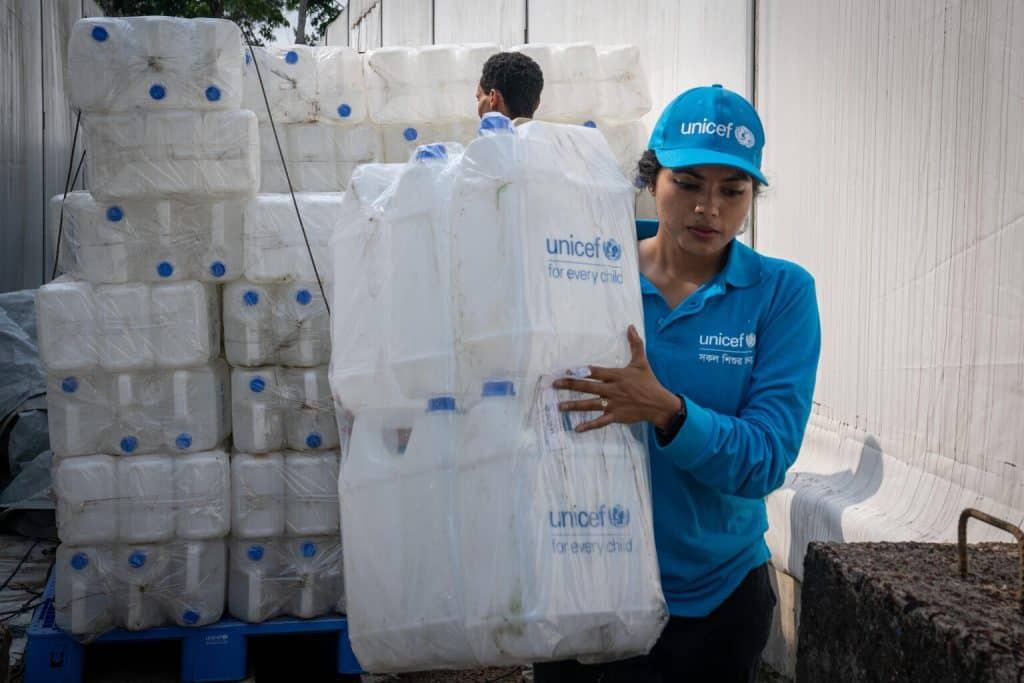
<point x="519" y="80"/>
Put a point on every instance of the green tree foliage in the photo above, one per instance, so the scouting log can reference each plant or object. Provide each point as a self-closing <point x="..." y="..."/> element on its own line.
<point x="257" y="18"/>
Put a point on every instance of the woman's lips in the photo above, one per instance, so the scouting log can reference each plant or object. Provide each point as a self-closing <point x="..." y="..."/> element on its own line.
<point x="702" y="231"/>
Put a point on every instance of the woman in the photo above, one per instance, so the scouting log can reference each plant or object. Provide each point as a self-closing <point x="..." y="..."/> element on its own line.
<point x="732" y="343"/>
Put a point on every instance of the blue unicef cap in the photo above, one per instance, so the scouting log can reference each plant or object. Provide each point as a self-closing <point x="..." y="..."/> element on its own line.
<point x="494" y="120"/>
<point x="498" y="388"/>
<point x="710" y="125"/>
<point x="440" y="404"/>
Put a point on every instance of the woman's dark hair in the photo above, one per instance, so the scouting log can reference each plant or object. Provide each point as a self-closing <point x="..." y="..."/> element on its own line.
<point x="519" y="80"/>
<point x="647" y="172"/>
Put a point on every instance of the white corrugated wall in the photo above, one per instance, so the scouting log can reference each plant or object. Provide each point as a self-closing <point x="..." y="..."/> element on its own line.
<point x="36" y="125"/>
<point x="897" y="155"/>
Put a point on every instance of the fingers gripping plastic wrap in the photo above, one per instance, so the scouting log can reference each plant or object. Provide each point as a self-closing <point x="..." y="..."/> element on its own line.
<point x="155" y="64"/>
<point x="147" y="240"/>
<point x="172" y="154"/>
<point x="511" y="538"/>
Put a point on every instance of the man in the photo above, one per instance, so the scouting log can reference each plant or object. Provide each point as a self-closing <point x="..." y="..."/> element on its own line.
<point x="510" y="84"/>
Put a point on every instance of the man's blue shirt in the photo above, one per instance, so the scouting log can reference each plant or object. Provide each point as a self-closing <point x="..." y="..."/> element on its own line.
<point x="743" y="352"/>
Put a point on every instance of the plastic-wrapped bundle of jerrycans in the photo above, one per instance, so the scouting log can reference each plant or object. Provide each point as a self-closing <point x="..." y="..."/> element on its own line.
<point x="160" y="520"/>
<point x="479" y="528"/>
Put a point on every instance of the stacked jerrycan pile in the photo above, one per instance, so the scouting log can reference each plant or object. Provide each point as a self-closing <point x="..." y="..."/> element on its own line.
<point x="479" y="527"/>
<point x="335" y="109"/>
<point x="420" y="95"/>
<point x="285" y="548"/>
<point x="603" y="87"/>
<point x="131" y="336"/>
<point x="132" y="340"/>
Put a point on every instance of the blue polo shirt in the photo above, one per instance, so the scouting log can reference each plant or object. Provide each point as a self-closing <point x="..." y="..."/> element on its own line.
<point x="743" y="352"/>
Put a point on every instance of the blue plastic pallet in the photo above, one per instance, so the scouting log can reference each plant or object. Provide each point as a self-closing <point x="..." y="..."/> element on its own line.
<point x="209" y="653"/>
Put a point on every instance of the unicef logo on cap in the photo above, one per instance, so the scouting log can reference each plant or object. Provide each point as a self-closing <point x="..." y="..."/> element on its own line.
<point x="750" y="339"/>
<point x="612" y="250"/>
<point x="745" y="136"/>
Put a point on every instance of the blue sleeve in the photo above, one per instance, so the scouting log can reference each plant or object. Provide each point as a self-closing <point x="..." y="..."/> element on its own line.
<point x="748" y="455"/>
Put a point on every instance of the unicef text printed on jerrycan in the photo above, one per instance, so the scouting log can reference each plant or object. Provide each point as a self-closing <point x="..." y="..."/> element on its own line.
<point x="574" y="511"/>
<point x="532" y="294"/>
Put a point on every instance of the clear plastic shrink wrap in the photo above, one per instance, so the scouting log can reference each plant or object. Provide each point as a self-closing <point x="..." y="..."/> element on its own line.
<point x="320" y="156"/>
<point x="623" y="94"/>
<point x="552" y="277"/>
<point x="274" y="247"/>
<point x="139" y="586"/>
<point x="288" y="493"/>
<point x="627" y="142"/>
<point x="569" y="70"/>
<point x="155" y="64"/>
<point x="142" y="499"/>
<point x="305" y="84"/>
<point x="170" y="154"/>
<point x="275" y="408"/>
<point x="300" y="577"/>
<point x="275" y="324"/>
<point x="429" y="84"/>
<point x="123" y="327"/>
<point x="400" y="141"/>
<point x="511" y="538"/>
<point x="126" y="413"/>
<point x="360" y="373"/>
<point x="147" y="240"/>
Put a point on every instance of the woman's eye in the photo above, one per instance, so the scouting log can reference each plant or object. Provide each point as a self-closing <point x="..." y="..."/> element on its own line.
<point x="729" y="192"/>
<point x="689" y="187"/>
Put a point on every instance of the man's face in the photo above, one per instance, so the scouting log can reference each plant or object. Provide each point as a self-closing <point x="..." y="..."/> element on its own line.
<point x="485" y="102"/>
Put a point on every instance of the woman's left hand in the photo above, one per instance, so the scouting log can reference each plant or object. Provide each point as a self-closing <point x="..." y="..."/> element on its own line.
<point x="625" y="395"/>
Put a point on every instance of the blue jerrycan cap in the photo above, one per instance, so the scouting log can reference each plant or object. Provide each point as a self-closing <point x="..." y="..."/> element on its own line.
<point x="498" y="388"/>
<point x="494" y="121"/>
<point x="441" y="404"/>
<point x="435" y="151"/>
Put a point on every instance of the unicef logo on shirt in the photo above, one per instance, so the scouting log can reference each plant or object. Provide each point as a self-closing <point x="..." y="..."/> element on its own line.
<point x="619" y="516"/>
<point x="612" y="250"/>
<point x="744" y="136"/>
<point x="750" y="339"/>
